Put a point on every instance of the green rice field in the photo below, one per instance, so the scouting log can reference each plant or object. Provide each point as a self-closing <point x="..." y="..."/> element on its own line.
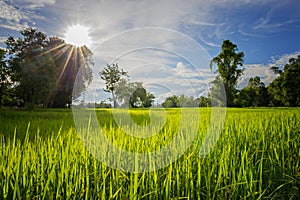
<point x="256" y="157"/>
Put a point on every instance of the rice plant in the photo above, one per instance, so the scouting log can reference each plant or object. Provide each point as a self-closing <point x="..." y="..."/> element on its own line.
<point x="256" y="157"/>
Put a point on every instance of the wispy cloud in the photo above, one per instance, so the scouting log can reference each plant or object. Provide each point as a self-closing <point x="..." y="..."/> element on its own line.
<point x="11" y="13"/>
<point x="280" y="61"/>
<point x="270" y="21"/>
<point x="33" y="4"/>
<point x="2" y="39"/>
<point x="17" y="15"/>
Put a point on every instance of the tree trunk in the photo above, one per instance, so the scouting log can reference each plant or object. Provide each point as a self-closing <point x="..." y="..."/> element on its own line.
<point x="0" y="98"/>
<point x="114" y="99"/>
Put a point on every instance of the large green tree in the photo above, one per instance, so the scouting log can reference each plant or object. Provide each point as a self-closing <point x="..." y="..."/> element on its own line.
<point x="229" y="63"/>
<point x="5" y="82"/>
<point x="112" y="75"/>
<point x="44" y="70"/>
<point x="285" y="90"/>
<point x="33" y="70"/>
<point x="255" y="94"/>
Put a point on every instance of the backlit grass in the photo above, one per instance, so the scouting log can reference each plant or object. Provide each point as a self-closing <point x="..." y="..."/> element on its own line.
<point x="256" y="157"/>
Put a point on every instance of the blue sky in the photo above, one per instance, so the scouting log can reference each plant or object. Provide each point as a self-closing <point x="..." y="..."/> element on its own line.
<point x="167" y="55"/>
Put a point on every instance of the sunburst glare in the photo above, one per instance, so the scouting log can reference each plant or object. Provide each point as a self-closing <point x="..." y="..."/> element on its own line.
<point x="78" y="35"/>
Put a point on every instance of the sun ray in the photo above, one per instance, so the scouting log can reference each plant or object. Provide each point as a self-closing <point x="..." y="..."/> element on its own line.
<point x="61" y="52"/>
<point x="65" y="65"/>
<point x="53" y="49"/>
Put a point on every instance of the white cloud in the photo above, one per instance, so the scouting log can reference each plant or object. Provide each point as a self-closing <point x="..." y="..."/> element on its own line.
<point x="17" y="15"/>
<point x="280" y="61"/>
<point x="107" y="19"/>
<point x="251" y="70"/>
<point x="2" y="39"/>
<point x="11" y="14"/>
<point x="170" y="60"/>
<point x="33" y="4"/>
<point x="263" y="71"/>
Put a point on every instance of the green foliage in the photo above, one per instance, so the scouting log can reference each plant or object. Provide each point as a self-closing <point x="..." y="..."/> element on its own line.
<point x="204" y="101"/>
<point x="149" y="100"/>
<point x="44" y="70"/>
<point x="171" y="102"/>
<point x="5" y="82"/>
<point x="186" y="102"/>
<point x="129" y="94"/>
<point x="285" y="90"/>
<point x="228" y="62"/>
<point x="140" y="98"/>
<point x="256" y="157"/>
<point x="32" y="70"/>
<point x="112" y="75"/>
<point x="255" y="94"/>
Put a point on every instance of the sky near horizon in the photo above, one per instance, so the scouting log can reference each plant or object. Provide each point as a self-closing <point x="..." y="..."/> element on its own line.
<point x="167" y="44"/>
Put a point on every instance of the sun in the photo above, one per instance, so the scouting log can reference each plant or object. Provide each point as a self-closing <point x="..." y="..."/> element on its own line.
<point x="78" y="35"/>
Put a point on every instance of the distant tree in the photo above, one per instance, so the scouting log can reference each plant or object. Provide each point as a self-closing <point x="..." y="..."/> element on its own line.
<point x="112" y="75"/>
<point x="5" y="82"/>
<point x="285" y="90"/>
<point x="255" y="94"/>
<point x="171" y="102"/>
<point x="188" y="101"/>
<point x="228" y="62"/>
<point x="261" y="92"/>
<point x="124" y="90"/>
<point x="184" y="101"/>
<point x="137" y="97"/>
<point x="133" y="94"/>
<point x="148" y="102"/>
<point x="103" y="104"/>
<point x="204" y="101"/>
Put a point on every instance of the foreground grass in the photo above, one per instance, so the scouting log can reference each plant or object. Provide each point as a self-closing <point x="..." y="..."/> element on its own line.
<point x="256" y="157"/>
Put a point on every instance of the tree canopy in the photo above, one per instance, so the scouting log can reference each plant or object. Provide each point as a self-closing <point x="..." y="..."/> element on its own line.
<point x="229" y="63"/>
<point x="284" y="90"/>
<point x="255" y="94"/>
<point x="129" y="94"/>
<point x="5" y="82"/>
<point x="112" y="75"/>
<point x="44" y="69"/>
<point x="133" y="95"/>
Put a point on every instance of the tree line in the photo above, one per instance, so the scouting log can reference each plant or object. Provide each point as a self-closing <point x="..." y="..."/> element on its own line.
<point x="283" y="91"/>
<point x="37" y="71"/>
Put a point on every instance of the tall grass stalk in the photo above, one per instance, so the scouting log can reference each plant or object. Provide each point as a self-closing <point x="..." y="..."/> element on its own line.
<point x="256" y="157"/>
